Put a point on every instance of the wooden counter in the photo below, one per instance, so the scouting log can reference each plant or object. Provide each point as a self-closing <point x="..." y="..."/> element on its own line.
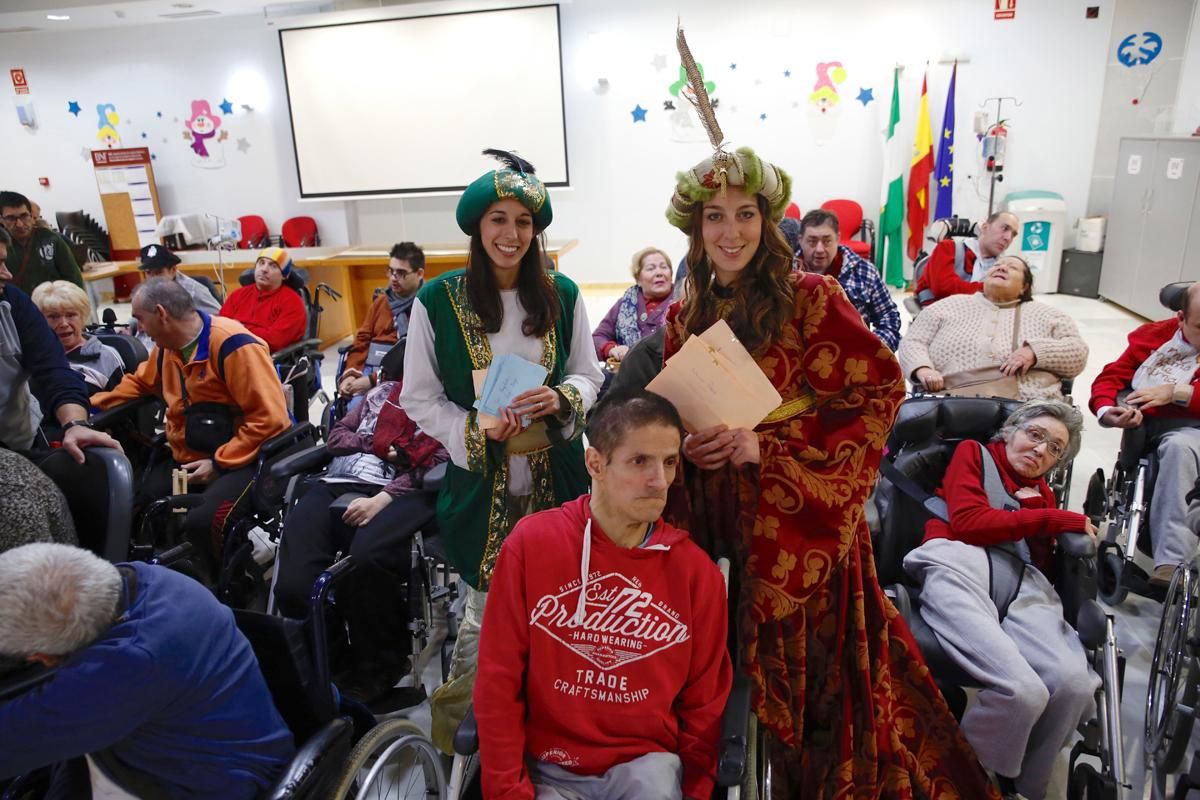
<point x="355" y="272"/>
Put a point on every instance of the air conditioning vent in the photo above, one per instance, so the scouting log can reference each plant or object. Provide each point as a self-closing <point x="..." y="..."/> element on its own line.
<point x="190" y="14"/>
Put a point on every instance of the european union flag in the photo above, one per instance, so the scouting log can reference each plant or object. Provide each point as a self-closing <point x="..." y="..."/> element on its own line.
<point x="944" y="174"/>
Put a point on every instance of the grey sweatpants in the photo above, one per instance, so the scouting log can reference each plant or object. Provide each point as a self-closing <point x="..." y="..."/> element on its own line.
<point x="654" y="776"/>
<point x="1178" y="467"/>
<point x="1037" y="682"/>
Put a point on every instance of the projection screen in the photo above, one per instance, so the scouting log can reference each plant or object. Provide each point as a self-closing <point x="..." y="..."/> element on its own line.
<point x="403" y="106"/>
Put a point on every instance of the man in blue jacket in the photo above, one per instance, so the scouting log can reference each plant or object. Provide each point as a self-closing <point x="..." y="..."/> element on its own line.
<point x="31" y="358"/>
<point x="155" y="684"/>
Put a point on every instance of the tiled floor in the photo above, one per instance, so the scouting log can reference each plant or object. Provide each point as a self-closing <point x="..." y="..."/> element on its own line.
<point x="1104" y="326"/>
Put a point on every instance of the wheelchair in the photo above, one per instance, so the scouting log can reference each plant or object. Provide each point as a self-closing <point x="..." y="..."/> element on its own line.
<point x="1120" y="505"/>
<point x="429" y="585"/>
<point x="742" y="762"/>
<point x="1171" y="708"/>
<point x="339" y="405"/>
<point x="241" y="577"/>
<point x="947" y="228"/>
<point x="342" y="750"/>
<point x="926" y="432"/>
<point x="299" y="364"/>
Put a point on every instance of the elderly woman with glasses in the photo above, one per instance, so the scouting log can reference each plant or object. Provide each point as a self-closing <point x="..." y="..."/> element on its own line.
<point x="1036" y="681"/>
<point x="66" y="308"/>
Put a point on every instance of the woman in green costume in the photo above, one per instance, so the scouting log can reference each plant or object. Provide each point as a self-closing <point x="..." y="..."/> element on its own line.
<point x="530" y="458"/>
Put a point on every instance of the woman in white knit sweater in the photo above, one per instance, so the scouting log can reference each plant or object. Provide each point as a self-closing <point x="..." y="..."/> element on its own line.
<point x="960" y="338"/>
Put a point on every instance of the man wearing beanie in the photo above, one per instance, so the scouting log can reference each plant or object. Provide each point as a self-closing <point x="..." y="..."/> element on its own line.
<point x="267" y="308"/>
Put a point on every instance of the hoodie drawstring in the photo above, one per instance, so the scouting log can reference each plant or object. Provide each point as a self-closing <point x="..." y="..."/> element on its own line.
<point x="584" y="569"/>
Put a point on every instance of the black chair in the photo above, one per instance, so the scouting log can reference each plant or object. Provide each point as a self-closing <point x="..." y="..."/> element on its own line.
<point x="926" y="433"/>
<point x="99" y="494"/>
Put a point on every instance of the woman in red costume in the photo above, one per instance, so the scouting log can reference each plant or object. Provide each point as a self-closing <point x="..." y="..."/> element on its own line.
<point x="840" y="685"/>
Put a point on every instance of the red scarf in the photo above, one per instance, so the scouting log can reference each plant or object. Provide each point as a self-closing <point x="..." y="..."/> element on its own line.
<point x="394" y="428"/>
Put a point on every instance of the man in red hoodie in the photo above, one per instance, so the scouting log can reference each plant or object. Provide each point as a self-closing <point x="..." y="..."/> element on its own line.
<point x="603" y="668"/>
<point x="1161" y="366"/>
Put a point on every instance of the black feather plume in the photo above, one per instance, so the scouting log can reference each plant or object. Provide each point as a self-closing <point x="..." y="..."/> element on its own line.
<point x="511" y="160"/>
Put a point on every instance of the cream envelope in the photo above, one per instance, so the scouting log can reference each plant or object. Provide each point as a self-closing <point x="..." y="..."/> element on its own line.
<point x="713" y="380"/>
<point x="485" y="421"/>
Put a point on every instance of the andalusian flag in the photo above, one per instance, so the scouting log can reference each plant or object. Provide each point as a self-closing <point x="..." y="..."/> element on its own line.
<point x="944" y="177"/>
<point x="918" y="176"/>
<point x="891" y="214"/>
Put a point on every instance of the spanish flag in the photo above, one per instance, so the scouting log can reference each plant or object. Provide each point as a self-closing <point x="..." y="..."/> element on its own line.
<point x="919" y="174"/>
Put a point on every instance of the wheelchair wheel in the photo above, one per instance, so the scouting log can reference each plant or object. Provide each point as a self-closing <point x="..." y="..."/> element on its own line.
<point x="394" y="759"/>
<point x="1174" y="673"/>
<point x="1111" y="566"/>
<point x="1086" y="783"/>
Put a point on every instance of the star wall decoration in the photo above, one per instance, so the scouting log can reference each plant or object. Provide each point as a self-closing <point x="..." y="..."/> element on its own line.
<point x="73" y="108"/>
<point x="226" y="107"/>
<point x="639" y="113"/>
<point x="865" y="96"/>
<point x="242" y="145"/>
<point x="659" y="63"/>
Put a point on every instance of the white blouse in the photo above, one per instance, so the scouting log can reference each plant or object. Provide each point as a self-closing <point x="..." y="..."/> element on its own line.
<point x="425" y="400"/>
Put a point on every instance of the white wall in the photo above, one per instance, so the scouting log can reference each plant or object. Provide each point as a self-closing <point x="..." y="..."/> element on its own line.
<point x="1187" y="101"/>
<point x="1155" y="86"/>
<point x="622" y="172"/>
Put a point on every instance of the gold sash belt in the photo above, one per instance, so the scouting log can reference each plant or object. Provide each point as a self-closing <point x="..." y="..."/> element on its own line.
<point x="791" y="408"/>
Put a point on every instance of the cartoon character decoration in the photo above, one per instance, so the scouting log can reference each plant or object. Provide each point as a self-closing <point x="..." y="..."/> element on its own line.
<point x="685" y="127"/>
<point x="107" y="125"/>
<point x="825" y="94"/>
<point x="202" y="131"/>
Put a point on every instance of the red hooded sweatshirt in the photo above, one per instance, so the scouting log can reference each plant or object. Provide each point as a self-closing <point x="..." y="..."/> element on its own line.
<point x="641" y="667"/>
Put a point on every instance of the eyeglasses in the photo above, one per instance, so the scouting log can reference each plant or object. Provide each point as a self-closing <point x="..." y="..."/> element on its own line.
<point x="1039" y="437"/>
<point x="400" y="273"/>
<point x="13" y="219"/>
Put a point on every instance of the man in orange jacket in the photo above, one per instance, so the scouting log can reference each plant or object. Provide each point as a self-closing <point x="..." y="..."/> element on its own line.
<point x="223" y="397"/>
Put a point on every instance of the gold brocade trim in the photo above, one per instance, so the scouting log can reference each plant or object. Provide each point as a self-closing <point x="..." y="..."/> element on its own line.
<point x="543" y="480"/>
<point x="475" y="442"/>
<point x="498" y="525"/>
<point x="531" y="440"/>
<point x="575" y="401"/>
<point x="791" y="408"/>
<point x="469" y="325"/>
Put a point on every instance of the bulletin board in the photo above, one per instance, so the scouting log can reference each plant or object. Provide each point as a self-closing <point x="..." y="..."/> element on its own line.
<point x="125" y="178"/>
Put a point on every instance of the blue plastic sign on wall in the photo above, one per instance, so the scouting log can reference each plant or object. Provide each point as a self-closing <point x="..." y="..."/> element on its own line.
<point x="1139" y="48"/>
<point x="1036" y="236"/>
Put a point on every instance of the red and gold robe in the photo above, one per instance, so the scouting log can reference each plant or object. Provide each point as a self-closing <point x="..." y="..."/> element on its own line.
<point x="838" y="678"/>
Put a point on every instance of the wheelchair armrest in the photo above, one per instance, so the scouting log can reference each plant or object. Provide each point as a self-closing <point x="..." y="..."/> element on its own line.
<point x="305" y="460"/>
<point x="24" y="678"/>
<point x="316" y="762"/>
<point x="107" y="418"/>
<point x="434" y="477"/>
<point x="344" y="349"/>
<point x="1092" y="625"/>
<point x="735" y="732"/>
<point x="277" y="445"/>
<point x="284" y="353"/>
<point x="1077" y="545"/>
<point x="175" y="555"/>
<point x="466" y="738"/>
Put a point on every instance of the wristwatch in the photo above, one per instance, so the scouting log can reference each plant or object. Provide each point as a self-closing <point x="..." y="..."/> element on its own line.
<point x="76" y="423"/>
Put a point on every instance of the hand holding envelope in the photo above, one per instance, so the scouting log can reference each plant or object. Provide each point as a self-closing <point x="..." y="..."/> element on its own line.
<point x="713" y="380"/>
<point x="495" y="387"/>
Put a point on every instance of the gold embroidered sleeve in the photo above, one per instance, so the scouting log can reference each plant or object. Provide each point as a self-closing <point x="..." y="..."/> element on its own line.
<point x="475" y="441"/>
<point x="574" y="405"/>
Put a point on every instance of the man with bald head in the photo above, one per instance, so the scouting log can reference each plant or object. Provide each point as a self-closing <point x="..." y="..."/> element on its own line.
<point x="1160" y="368"/>
<point x="957" y="266"/>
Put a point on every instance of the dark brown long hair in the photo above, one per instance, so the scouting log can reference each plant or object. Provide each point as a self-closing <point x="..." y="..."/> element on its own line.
<point x="535" y="289"/>
<point x="765" y="299"/>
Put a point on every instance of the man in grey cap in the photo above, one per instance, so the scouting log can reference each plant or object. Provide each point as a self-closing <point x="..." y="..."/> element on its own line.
<point x="159" y="262"/>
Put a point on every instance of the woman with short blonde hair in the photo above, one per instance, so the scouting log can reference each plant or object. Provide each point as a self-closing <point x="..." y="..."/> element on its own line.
<point x="641" y="311"/>
<point x="67" y="309"/>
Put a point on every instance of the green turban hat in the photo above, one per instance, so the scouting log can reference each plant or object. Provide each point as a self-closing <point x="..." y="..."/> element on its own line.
<point x="515" y="180"/>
